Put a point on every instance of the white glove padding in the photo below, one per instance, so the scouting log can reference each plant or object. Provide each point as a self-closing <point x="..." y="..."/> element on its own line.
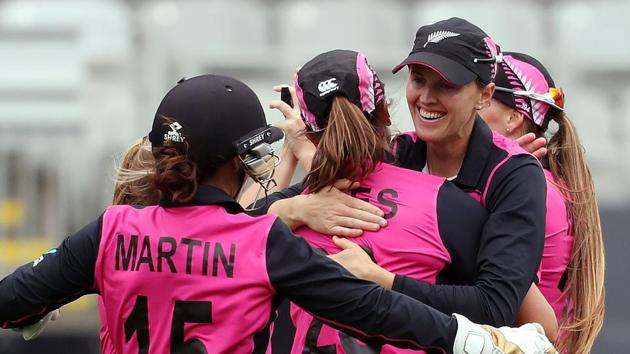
<point x="32" y="331"/>
<point x="472" y="338"/>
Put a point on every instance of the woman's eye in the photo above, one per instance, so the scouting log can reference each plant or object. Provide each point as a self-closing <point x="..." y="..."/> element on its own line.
<point x="419" y="80"/>
<point x="445" y="86"/>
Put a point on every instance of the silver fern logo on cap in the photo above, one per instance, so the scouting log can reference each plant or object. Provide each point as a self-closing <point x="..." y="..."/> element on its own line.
<point x="438" y="36"/>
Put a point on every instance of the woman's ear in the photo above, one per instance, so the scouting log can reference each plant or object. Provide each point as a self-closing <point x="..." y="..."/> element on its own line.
<point x="486" y="95"/>
<point x="515" y="124"/>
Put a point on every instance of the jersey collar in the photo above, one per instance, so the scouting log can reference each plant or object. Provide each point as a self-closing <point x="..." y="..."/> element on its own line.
<point x="206" y="195"/>
<point x="477" y="155"/>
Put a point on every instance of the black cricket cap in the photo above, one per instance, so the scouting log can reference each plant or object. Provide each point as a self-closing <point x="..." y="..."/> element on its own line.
<point x="212" y="114"/>
<point x="337" y="72"/>
<point x="456" y="49"/>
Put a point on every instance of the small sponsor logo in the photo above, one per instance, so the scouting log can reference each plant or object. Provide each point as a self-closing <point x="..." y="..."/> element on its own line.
<point x="41" y="258"/>
<point x="258" y="138"/>
<point x="327" y="86"/>
<point x="174" y="134"/>
<point x="524" y="106"/>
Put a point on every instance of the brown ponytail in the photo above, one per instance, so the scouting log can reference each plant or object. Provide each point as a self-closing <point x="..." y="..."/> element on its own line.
<point x="586" y="269"/>
<point x="349" y="147"/>
<point x="176" y="174"/>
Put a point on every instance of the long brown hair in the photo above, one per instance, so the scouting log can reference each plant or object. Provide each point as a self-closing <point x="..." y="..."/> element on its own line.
<point x="585" y="282"/>
<point x="350" y="146"/>
<point x="133" y="184"/>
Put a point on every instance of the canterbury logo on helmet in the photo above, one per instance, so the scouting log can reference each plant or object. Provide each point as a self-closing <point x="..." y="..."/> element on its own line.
<point x="327" y="86"/>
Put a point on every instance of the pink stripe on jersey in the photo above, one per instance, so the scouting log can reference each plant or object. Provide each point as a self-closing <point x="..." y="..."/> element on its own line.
<point x="558" y="245"/>
<point x="155" y="260"/>
<point x="409" y="245"/>
<point x="508" y="145"/>
<point x="411" y="134"/>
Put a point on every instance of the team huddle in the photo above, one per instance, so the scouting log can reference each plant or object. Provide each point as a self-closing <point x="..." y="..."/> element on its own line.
<point x="465" y="235"/>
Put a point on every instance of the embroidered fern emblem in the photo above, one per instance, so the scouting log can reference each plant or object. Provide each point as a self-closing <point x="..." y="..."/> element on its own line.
<point x="436" y="37"/>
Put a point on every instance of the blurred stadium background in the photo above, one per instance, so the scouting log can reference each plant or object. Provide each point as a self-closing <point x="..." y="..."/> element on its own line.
<point x="79" y="80"/>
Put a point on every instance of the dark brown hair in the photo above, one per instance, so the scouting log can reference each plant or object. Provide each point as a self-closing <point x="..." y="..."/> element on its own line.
<point x="350" y="146"/>
<point x="176" y="174"/>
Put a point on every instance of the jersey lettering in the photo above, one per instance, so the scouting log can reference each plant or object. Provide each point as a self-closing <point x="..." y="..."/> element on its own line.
<point x="129" y="258"/>
<point x="381" y="197"/>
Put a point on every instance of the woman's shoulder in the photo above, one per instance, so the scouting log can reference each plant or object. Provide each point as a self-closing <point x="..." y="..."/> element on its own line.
<point x="511" y="147"/>
<point x="408" y="151"/>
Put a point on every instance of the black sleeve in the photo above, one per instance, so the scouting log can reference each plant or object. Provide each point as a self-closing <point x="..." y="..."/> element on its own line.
<point x="360" y="308"/>
<point x="408" y="153"/>
<point x="58" y="277"/>
<point x="509" y="251"/>
<point x="262" y="205"/>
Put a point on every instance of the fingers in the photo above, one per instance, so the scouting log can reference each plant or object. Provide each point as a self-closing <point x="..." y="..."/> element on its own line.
<point x="540" y="153"/>
<point x="355" y="203"/>
<point x="346" y="232"/>
<point x="286" y="110"/>
<point x="344" y="243"/>
<point x="526" y="139"/>
<point x="294" y="100"/>
<point x="357" y="221"/>
<point x="363" y="210"/>
<point x="278" y="88"/>
<point x="538" y="143"/>
<point x="533" y="145"/>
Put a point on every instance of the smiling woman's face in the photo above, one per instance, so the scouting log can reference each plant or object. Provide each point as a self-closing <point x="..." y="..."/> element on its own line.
<point x="441" y="111"/>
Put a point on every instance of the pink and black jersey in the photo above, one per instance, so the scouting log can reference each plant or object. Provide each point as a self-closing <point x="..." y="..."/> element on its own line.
<point x="214" y="266"/>
<point x="432" y="236"/>
<point x="511" y="185"/>
<point x="204" y="277"/>
<point x="414" y="243"/>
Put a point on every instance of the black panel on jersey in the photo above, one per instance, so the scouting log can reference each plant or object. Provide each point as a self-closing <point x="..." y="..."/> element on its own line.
<point x="263" y="204"/>
<point x="460" y="221"/>
<point x="409" y="154"/>
<point x="59" y="277"/>
<point x="261" y="339"/>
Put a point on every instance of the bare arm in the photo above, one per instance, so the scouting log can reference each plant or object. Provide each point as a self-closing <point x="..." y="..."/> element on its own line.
<point x="535" y="308"/>
<point x="295" y="134"/>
